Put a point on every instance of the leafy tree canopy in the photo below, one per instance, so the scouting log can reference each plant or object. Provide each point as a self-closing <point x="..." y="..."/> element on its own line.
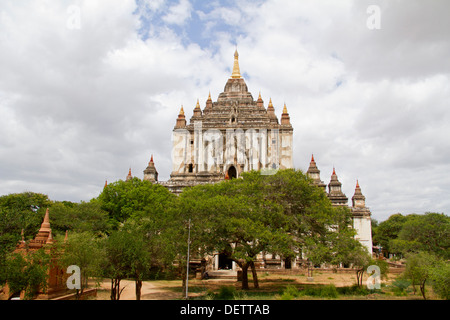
<point x="429" y="233"/>
<point x="20" y="211"/>
<point x="134" y="199"/>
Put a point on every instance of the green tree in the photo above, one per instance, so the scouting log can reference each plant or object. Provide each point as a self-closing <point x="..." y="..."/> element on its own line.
<point x="419" y="268"/>
<point x="26" y="273"/>
<point x="142" y="254"/>
<point x="83" y="250"/>
<point x="281" y="213"/>
<point x="115" y="264"/>
<point x="20" y="211"/>
<point x="429" y="232"/>
<point x="141" y="212"/>
<point x="388" y="230"/>
<point x="133" y="199"/>
<point x="79" y="217"/>
<point x="234" y="218"/>
<point x="440" y="279"/>
<point x="318" y="229"/>
<point x="127" y="255"/>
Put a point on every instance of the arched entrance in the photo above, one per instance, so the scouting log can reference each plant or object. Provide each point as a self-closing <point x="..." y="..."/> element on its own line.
<point x="232" y="173"/>
<point x="225" y="263"/>
<point x="287" y="263"/>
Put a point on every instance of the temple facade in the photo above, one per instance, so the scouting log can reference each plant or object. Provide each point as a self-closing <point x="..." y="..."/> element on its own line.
<point x="235" y="134"/>
<point x="229" y="136"/>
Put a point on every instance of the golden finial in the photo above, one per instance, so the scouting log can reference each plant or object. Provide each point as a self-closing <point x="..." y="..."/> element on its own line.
<point x="198" y="105"/>
<point x="182" y="111"/>
<point x="209" y="96"/>
<point x="270" y="103"/>
<point x="236" y="71"/>
<point x="285" y="109"/>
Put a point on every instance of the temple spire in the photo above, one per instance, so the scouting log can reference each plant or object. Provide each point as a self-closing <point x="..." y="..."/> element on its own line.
<point x="45" y="226"/>
<point x="181" y="120"/>
<point x="358" y="199"/>
<point x="335" y="194"/>
<point x="285" y="119"/>
<point x="314" y="173"/>
<point x="208" y="103"/>
<point x="150" y="173"/>
<point x="270" y="107"/>
<point x="260" y="102"/>
<point x="236" y="71"/>
<point x="197" y="110"/>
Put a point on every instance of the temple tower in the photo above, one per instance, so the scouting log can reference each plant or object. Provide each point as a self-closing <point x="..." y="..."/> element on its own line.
<point x="314" y="173"/>
<point x="362" y="218"/>
<point x="335" y="194"/>
<point x="129" y="176"/>
<point x="150" y="172"/>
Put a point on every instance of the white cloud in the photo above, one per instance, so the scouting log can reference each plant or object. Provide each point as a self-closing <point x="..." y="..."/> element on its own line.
<point x="81" y="106"/>
<point x="179" y="13"/>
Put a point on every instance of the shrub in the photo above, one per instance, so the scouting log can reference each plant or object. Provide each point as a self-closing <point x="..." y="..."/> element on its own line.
<point x="328" y="291"/>
<point x="226" y="293"/>
<point x="289" y="293"/>
<point x="353" y="290"/>
<point x="440" y="279"/>
<point x="399" y="287"/>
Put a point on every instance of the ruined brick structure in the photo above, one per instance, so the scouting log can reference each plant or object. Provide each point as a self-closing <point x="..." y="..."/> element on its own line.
<point x="56" y="281"/>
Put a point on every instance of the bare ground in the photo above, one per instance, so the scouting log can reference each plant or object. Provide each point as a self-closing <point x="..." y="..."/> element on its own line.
<point x="171" y="290"/>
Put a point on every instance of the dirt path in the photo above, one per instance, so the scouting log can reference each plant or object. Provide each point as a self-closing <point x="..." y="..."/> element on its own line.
<point x="149" y="291"/>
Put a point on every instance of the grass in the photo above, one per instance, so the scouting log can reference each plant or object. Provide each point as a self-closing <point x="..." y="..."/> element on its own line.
<point x="326" y="285"/>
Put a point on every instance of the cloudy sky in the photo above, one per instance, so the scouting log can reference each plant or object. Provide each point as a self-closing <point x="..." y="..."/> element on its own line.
<point x="89" y="88"/>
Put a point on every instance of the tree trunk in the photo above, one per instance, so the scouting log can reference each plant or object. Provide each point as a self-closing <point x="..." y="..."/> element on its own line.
<point x="255" y="275"/>
<point x="138" y="285"/>
<point x="115" y="289"/>
<point x="422" y="289"/>
<point x="359" y="276"/>
<point x="244" y="267"/>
